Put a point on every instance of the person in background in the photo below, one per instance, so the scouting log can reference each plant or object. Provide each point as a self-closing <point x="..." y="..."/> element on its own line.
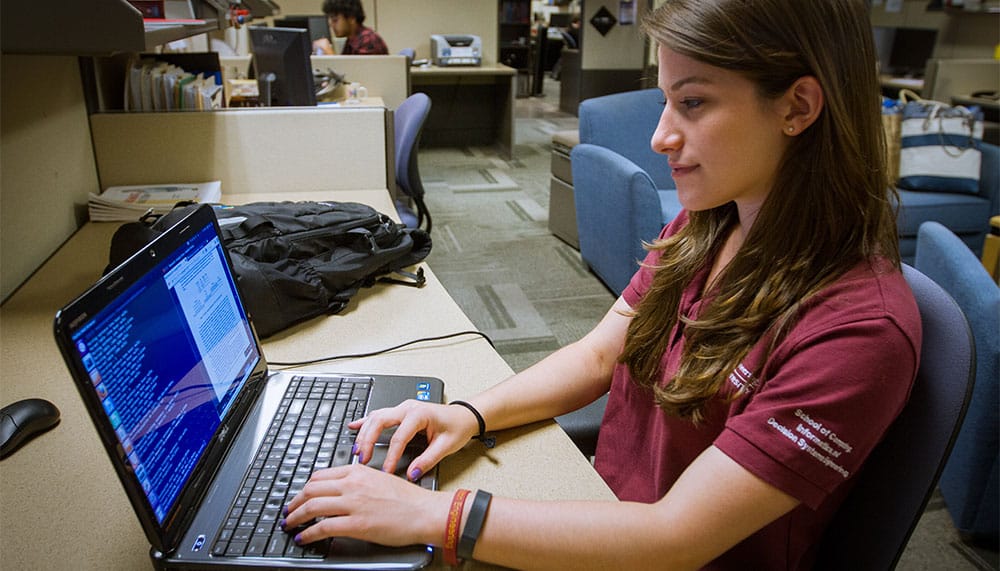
<point x="574" y="31"/>
<point x="758" y="355"/>
<point x="346" y="19"/>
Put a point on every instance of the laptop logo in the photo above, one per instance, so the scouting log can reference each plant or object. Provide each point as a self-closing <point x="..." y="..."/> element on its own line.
<point x="198" y="543"/>
<point x="424" y="391"/>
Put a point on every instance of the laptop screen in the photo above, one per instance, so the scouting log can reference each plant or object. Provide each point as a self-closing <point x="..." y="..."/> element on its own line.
<point x="167" y="359"/>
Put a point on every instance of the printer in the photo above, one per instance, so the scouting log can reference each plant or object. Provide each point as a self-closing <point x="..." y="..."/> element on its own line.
<point x="456" y="49"/>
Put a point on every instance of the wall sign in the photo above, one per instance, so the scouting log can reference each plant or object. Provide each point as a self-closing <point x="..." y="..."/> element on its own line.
<point x="603" y="21"/>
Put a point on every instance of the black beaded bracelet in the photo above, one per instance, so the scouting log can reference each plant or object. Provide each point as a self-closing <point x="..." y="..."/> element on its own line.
<point x="474" y="524"/>
<point x="488" y="440"/>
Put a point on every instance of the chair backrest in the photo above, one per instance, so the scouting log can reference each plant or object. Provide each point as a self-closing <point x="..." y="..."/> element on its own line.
<point x="875" y="522"/>
<point x="989" y="176"/>
<point x="410" y="54"/>
<point x="969" y="481"/>
<point x="624" y="122"/>
<point x="409" y="120"/>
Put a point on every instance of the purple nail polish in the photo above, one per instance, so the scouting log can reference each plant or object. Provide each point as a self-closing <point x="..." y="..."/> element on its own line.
<point x="284" y="511"/>
<point x="354" y="449"/>
<point x="298" y="539"/>
<point x="415" y="474"/>
<point x="281" y="524"/>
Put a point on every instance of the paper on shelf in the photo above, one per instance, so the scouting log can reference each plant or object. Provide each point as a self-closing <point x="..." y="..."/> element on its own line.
<point x="126" y="203"/>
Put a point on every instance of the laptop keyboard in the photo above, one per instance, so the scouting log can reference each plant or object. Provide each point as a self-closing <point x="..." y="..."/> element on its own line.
<point x="309" y="432"/>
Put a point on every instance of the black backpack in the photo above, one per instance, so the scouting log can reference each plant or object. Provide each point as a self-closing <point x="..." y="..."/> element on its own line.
<point x="297" y="260"/>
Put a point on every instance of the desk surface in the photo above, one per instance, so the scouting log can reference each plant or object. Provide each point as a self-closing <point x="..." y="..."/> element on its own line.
<point x="458" y="70"/>
<point x="62" y="506"/>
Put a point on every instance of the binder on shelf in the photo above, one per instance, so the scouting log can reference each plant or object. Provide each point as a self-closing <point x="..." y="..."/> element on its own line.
<point x="174" y="81"/>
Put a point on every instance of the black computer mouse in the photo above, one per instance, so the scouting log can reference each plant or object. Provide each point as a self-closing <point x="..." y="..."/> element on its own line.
<point x="23" y="420"/>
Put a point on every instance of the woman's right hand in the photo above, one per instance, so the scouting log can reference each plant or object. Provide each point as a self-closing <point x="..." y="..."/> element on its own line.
<point x="447" y="428"/>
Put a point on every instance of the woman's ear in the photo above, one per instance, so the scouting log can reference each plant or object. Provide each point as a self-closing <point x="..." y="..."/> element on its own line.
<point x="802" y="104"/>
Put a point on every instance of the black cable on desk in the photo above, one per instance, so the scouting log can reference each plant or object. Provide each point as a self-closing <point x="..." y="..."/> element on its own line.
<point x="381" y="351"/>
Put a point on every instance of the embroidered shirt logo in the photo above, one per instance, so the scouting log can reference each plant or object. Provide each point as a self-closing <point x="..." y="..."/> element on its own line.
<point x="742" y="379"/>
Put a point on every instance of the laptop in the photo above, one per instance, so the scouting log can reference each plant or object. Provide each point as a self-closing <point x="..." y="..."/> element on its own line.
<point x="207" y="442"/>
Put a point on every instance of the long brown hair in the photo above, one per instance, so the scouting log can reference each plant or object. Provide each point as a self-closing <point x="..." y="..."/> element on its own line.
<point x="830" y="207"/>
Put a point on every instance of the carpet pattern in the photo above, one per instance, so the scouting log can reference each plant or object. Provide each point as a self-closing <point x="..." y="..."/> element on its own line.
<point x="525" y="288"/>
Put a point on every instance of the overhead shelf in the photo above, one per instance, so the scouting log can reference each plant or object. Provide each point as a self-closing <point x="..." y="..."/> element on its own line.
<point x="89" y="27"/>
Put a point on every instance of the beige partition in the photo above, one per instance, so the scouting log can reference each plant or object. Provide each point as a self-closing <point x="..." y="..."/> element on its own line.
<point x="409" y="24"/>
<point x="946" y="78"/>
<point x="47" y="162"/>
<point x="384" y="76"/>
<point x="235" y="67"/>
<point x="623" y="48"/>
<point x="249" y="150"/>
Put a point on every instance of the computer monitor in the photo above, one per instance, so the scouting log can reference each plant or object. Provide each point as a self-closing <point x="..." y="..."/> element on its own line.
<point x="560" y="19"/>
<point x="904" y="51"/>
<point x="317" y="25"/>
<point x="282" y="66"/>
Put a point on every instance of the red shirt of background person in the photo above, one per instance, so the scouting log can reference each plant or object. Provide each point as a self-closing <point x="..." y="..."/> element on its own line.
<point x="346" y="19"/>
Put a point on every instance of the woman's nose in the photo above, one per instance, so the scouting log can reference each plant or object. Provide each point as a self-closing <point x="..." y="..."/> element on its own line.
<point x="666" y="138"/>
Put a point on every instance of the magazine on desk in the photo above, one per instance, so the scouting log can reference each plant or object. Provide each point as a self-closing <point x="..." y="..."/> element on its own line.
<point x="129" y="203"/>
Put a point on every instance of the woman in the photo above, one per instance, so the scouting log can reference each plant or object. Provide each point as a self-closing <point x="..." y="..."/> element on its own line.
<point x="758" y="355"/>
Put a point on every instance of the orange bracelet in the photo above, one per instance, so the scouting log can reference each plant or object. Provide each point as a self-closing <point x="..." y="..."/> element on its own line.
<point x="453" y="527"/>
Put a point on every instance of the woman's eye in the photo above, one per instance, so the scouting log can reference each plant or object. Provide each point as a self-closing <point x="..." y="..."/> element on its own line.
<point x="691" y="103"/>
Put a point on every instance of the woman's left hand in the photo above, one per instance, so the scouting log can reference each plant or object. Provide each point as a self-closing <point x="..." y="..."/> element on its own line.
<point x="363" y="503"/>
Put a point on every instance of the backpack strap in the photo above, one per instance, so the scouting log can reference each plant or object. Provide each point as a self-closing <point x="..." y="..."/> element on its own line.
<point x="415" y="279"/>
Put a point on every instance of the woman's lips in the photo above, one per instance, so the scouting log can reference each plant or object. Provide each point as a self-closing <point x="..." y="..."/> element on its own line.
<point x="681" y="170"/>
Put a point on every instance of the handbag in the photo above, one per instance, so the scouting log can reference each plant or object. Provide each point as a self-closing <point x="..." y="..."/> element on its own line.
<point x="940" y="147"/>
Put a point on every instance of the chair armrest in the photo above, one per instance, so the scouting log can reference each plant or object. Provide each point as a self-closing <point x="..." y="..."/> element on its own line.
<point x="617" y="207"/>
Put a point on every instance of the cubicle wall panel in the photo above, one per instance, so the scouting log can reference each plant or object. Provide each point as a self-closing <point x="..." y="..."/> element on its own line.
<point x="48" y="163"/>
<point x="384" y="76"/>
<point x="268" y="150"/>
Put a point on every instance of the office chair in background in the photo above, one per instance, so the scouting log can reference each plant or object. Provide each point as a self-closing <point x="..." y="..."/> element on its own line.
<point x="410" y="54"/>
<point x="872" y="527"/>
<point x="969" y="483"/>
<point x="409" y="122"/>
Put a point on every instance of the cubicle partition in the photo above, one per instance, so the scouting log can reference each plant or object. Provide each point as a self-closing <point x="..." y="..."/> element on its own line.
<point x="250" y="150"/>
<point x="387" y="77"/>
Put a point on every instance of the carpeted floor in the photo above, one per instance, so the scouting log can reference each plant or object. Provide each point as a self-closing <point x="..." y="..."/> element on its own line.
<point x="530" y="292"/>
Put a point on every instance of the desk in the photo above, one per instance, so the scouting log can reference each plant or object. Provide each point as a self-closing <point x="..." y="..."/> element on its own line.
<point x="469" y="105"/>
<point x="62" y="504"/>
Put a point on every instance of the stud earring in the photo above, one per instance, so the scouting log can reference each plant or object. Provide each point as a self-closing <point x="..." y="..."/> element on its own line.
<point x="791" y="129"/>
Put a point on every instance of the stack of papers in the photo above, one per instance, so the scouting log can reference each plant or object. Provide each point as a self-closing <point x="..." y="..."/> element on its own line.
<point x="129" y="203"/>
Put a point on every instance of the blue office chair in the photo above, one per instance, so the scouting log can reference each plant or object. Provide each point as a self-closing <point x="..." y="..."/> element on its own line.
<point x="409" y="121"/>
<point x="970" y="480"/>
<point x="623" y="190"/>
<point x="618" y="207"/>
<point x="410" y="54"/>
<point x="872" y="527"/>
